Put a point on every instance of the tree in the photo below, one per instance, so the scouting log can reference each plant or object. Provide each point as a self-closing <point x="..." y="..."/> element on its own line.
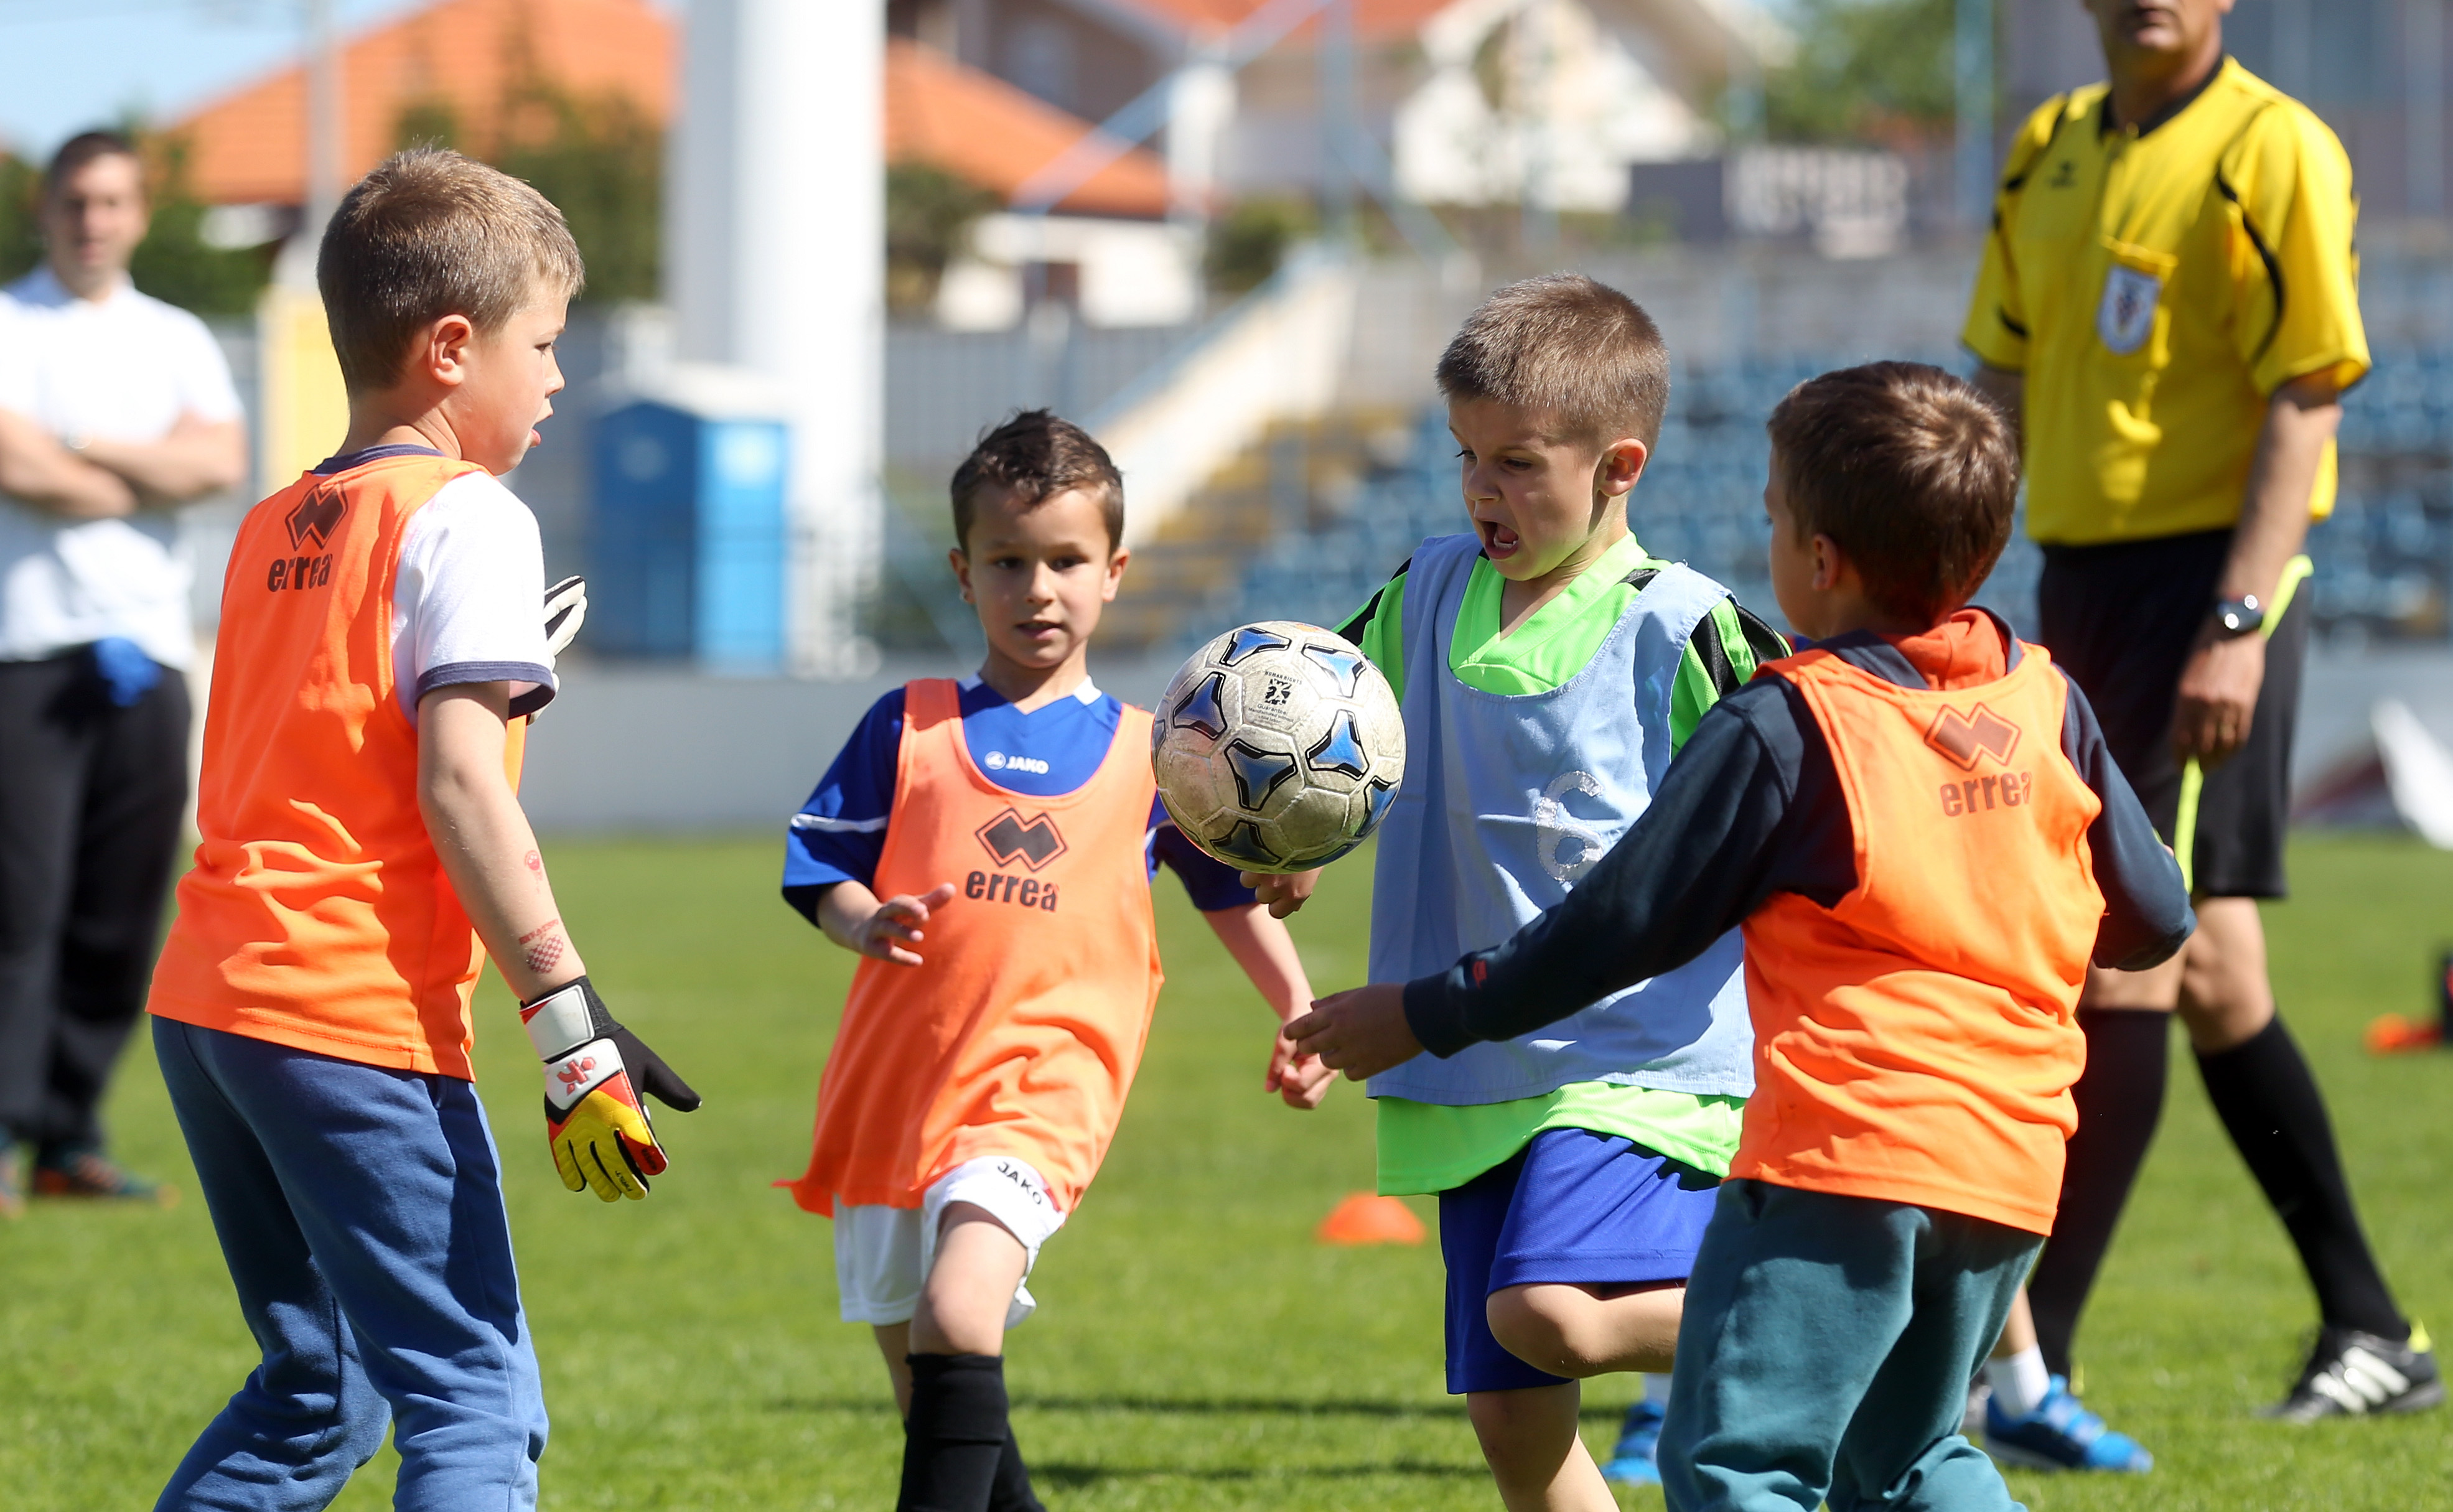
<point x="602" y="160"/>
<point x="174" y="263"/>
<point x="21" y="231"/>
<point x="598" y="157"/>
<point x="929" y="217"/>
<point x="1247" y="243"/>
<point x="1866" y="70"/>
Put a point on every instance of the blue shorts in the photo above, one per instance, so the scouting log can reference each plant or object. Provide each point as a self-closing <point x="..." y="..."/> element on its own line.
<point x="1572" y="1206"/>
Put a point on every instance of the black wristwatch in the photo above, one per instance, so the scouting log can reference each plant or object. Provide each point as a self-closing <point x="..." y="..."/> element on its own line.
<point x="2240" y="615"/>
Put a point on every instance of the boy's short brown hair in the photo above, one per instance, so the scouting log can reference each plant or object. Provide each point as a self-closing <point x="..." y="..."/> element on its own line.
<point x="1570" y="345"/>
<point x="431" y="233"/>
<point x="1911" y="471"/>
<point x="1038" y="454"/>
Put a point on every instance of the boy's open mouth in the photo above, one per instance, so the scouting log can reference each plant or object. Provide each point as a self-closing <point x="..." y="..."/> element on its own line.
<point x="1498" y="542"/>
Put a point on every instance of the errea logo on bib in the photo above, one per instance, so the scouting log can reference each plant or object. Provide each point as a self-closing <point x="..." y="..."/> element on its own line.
<point x="2126" y="317"/>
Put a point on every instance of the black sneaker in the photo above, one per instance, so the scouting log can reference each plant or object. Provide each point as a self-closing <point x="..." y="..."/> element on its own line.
<point x="2353" y="1374"/>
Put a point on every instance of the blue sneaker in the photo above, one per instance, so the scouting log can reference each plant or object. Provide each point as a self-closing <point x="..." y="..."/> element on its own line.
<point x="2062" y="1435"/>
<point x="1632" y="1462"/>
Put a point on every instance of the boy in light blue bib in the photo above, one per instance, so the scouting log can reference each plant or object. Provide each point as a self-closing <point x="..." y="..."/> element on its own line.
<point x="1548" y="670"/>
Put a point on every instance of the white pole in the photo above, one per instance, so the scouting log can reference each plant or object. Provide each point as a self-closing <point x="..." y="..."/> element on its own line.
<point x="1972" y="79"/>
<point x="775" y="243"/>
<point x="325" y="123"/>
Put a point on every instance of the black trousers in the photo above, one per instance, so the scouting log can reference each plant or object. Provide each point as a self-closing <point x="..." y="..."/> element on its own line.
<point x="90" y="797"/>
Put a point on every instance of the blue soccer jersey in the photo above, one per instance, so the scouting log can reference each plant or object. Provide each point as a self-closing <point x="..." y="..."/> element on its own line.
<point x="840" y="833"/>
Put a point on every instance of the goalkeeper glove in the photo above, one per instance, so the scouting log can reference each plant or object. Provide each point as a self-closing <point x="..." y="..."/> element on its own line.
<point x="565" y="609"/>
<point x="594" y="1071"/>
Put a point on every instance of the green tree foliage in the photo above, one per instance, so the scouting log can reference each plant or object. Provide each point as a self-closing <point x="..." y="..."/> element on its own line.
<point x="21" y="231"/>
<point x="1866" y="70"/>
<point x="599" y="157"/>
<point x="602" y="160"/>
<point x="1247" y="243"/>
<point x="929" y="216"/>
<point x="174" y="263"/>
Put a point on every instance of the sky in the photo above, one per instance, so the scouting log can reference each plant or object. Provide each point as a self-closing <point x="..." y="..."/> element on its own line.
<point x="74" y="64"/>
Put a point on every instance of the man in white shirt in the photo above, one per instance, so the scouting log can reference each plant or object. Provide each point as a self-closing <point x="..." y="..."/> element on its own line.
<point x="115" y="410"/>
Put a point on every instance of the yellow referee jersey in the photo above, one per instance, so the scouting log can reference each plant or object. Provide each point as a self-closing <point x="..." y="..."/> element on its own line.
<point x="2156" y="288"/>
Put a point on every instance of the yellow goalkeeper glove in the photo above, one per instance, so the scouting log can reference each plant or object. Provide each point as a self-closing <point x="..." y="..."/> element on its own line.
<point x="594" y="1071"/>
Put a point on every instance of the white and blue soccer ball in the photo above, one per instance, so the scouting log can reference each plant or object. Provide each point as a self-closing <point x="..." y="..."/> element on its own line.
<point x="1278" y="747"/>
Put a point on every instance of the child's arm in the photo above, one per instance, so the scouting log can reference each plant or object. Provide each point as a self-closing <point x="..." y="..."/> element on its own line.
<point x="1262" y="946"/>
<point x="2146" y="913"/>
<point x="1714" y="844"/>
<point x="852" y="918"/>
<point x="594" y="1068"/>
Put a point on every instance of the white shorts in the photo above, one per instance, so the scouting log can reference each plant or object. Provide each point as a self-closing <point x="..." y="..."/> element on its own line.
<point x="883" y="1254"/>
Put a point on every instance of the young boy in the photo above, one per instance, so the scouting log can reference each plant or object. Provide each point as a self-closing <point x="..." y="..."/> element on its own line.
<point x="363" y="853"/>
<point x="1011" y="827"/>
<point x="1548" y="670"/>
<point x="1918" y="826"/>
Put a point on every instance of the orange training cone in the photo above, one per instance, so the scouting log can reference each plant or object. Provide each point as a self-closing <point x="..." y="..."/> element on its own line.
<point x="1363" y="1218"/>
<point x="2392" y="1034"/>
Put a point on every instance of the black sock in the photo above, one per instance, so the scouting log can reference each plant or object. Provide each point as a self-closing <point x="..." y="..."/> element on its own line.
<point x="956" y="1434"/>
<point x="2120" y="1100"/>
<point x="2268" y="1101"/>
<point x="1011" y="1491"/>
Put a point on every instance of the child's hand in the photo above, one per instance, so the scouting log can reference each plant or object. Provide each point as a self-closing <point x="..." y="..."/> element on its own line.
<point x="1283" y="894"/>
<point x="897" y="922"/>
<point x="1363" y="1032"/>
<point x="1301" y="1080"/>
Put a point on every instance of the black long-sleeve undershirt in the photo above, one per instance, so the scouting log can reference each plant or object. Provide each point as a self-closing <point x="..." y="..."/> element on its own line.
<point x="1752" y="806"/>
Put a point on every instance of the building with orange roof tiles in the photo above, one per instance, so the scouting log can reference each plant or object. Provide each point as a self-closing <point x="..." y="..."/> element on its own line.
<point x="1459" y="102"/>
<point x="466" y="57"/>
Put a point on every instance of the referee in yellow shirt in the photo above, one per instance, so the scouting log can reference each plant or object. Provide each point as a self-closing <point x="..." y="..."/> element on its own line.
<point x="2169" y="301"/>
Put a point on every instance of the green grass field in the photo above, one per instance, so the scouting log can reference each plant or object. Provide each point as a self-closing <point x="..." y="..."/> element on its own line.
<point x="1194" y="1348"/>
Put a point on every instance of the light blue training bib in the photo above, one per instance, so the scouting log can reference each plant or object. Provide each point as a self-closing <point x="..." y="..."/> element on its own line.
<point x="1508" y="800"/>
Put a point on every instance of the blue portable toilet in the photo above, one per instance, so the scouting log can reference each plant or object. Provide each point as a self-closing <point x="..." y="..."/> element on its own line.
<point x="689" y="545"/>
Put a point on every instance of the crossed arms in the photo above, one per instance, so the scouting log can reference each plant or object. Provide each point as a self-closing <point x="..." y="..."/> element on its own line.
<point x="106" y="480"/>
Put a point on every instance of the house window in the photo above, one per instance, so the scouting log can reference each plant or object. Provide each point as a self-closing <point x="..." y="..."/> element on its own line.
<point x="1040" y="57"/>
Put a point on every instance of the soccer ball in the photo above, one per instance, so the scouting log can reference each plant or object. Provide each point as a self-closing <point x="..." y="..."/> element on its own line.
<point x="1277" y="747"/>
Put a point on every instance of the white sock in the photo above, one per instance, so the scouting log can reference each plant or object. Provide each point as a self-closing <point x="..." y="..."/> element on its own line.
<point x="2019" y="1383"/>
<point x="1656" y="1389"/>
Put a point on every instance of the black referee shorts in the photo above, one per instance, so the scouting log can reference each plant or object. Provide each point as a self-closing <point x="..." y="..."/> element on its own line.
<point x="2120" y="619"/>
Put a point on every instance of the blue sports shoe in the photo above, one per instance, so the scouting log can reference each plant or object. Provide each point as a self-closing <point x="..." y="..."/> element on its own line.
<point x="2062" y="1435"/>
<point x="1632" y="1462"/>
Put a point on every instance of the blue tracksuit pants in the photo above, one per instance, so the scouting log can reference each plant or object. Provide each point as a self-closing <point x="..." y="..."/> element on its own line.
<point x="1825" y="1353"/>
<point x="360" y="1212"/>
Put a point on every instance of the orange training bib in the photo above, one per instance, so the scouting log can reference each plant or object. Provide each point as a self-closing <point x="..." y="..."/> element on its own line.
<point x="1020" y="1032"/>
<point x="1916" y="1042"/>
<point x="318" y="915"/>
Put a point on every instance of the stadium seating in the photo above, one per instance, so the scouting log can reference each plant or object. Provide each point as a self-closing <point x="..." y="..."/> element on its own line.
<point x="2386" y="560"/>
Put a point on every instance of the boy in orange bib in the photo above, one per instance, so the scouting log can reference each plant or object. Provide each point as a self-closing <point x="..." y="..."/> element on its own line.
<point x="1010" y="823"/>
<point x="1918" y="826"/>
<point x="363" y="851"/>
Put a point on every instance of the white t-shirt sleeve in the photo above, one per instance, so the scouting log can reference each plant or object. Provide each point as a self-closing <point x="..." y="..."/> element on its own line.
<point x="200" y="371"/>
<point x="17" y="392"/>
<point x="468" y="604"/>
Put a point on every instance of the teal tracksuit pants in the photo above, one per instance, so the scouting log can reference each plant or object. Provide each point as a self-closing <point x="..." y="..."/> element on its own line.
<point x="1826" y="1353"/>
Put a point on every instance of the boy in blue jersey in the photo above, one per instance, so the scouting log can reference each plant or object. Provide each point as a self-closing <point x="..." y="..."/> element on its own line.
<point x="992" y="1032"/>
<point x="1548" y="670"/>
